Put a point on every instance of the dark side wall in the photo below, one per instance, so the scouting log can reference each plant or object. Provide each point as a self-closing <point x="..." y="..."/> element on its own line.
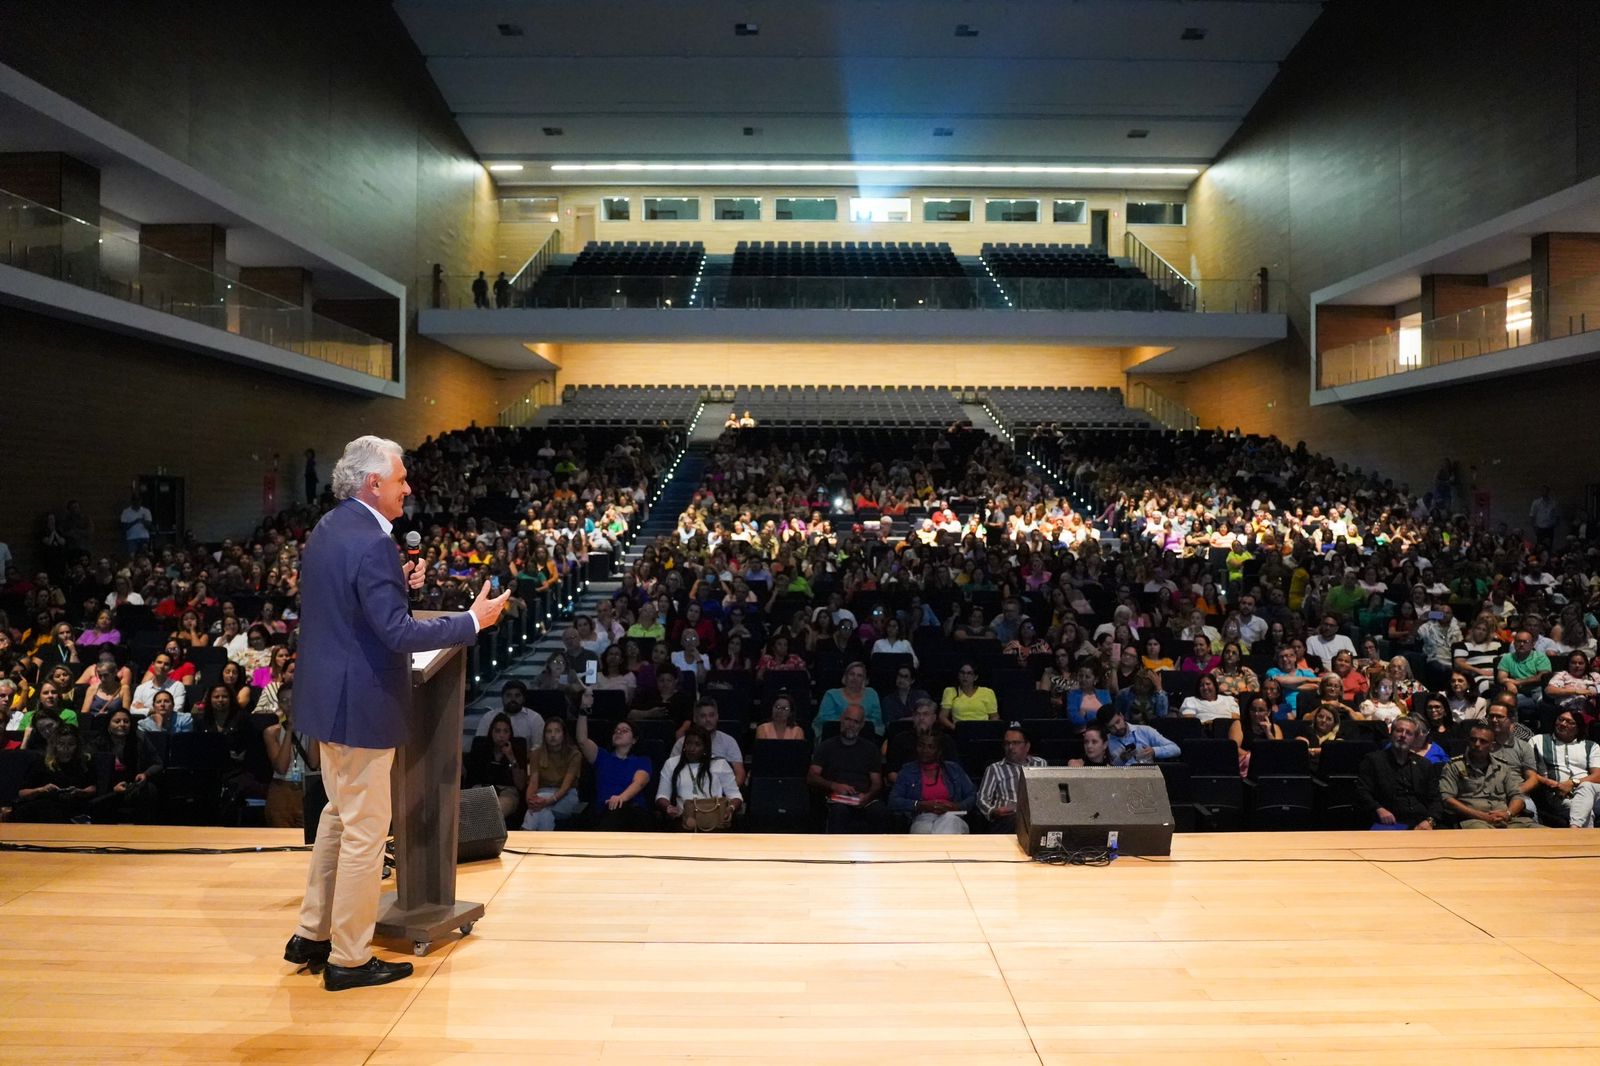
<point x="1390" y="126"/>
<point x="323" y="113"/>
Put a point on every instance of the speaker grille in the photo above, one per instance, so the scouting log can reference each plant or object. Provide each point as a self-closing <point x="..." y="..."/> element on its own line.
<point x="483" y="830"/>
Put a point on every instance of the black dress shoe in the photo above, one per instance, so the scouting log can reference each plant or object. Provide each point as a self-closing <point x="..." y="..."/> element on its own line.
<point x="372" y="972"/>
<point x="311" y="954"/>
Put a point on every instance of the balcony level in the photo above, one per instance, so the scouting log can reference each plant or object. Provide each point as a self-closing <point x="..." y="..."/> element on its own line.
<point x="674" y="293"/>
<point x="1515" y="294"/>
<point x="98" y="226"/>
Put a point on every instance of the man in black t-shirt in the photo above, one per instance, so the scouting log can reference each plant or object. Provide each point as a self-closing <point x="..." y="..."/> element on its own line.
<point x="847" y="770"/>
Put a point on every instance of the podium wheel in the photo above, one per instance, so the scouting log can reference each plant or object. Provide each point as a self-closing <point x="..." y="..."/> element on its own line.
<point x="421" y="947"/>
<point x="466" y="930"/>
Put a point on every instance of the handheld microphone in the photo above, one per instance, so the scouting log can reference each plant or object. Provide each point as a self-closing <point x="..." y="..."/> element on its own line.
<point x="414" y="554"/>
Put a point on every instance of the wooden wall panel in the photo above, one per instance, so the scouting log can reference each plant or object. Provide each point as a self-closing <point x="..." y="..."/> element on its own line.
<point x="53" y="179"/>
<point x="1341" y="324"/>
<point x="1562" y="257"/>
<point x="379" y="318"/>
<point x="1450" y="294"/>
<point x="843" y="364"/>
<point x="198" y="244"/>
<point x="966" y="238"/>
<point x="291" y="284"/>
<point x="1561" y="262"/>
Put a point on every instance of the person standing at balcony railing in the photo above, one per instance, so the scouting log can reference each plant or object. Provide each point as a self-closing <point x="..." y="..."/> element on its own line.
<point x="1544" y="514"/>
<point x="480" y="291"/>
<point x="502" y="290"/>
<point x="311" y="476"/>
<point x="136" y="521"/>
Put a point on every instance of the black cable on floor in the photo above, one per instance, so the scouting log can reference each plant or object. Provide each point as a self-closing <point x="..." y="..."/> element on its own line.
<point x="1062" y="857"/>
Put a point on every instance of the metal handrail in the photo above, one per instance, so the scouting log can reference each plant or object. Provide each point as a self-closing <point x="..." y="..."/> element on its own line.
<point x="1168" y="412"/>
<point x="1178" y="288"/>
<point x="529" y="272"/>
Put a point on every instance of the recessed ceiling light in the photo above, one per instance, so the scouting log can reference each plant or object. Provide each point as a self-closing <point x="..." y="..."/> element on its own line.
<point x="1193" y="33"/>
<point x="554" y="131"/>
<point x="964" y="30"/>
<point x="747" y="29"/>
<point x="1138" y="135"/>
<point x="505" y="168"/>
<point x="943" y="131"/>
<point x="509" y="29"/>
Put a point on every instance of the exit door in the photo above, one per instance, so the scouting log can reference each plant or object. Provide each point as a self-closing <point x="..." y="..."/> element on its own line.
<point x="1100" y="229"/>
<point x="582" y="227"/>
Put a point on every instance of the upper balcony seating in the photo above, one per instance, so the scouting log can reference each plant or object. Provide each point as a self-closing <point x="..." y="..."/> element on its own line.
<point x="639" y="259"/>
<point x="623" y="274"/>
<point x="845" y="259"/>
<point x="1054" y="261"/>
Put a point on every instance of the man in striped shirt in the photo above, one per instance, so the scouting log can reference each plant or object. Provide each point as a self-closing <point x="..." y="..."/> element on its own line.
<point x="997" y="796"/>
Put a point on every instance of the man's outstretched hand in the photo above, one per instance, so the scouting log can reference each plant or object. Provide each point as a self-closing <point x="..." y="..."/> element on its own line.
<point x="487" y="610"/>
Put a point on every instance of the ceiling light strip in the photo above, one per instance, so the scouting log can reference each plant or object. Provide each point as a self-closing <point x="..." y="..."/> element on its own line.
<point x="863" y="168"/>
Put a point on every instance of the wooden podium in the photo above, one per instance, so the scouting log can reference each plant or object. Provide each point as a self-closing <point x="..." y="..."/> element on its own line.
<point x="427" y="801"/>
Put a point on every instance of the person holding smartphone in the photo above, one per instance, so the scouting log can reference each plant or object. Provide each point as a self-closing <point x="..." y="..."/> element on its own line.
<point x="59" y="787"/>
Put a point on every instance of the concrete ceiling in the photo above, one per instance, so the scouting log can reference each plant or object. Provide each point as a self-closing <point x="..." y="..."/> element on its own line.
<point x="1028" y="81"/>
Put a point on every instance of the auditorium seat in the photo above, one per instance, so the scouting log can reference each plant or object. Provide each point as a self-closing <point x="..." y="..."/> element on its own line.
<point x="1279" y="783"/>
<point x="1214" y="780"/>
<point x="1024" y="408"/>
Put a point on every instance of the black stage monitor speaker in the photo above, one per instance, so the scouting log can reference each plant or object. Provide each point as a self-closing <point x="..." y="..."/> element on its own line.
<point x="1122" y="807"/>
<point x="483" y="829"/>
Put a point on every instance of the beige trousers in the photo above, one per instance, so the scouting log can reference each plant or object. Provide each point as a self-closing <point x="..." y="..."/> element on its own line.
<point x="343" y="886"/>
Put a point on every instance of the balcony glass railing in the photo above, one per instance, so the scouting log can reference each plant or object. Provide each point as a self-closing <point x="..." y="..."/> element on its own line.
<point x="714" y="291"/>
<point x="1169" y="413"/>
<point x="1564" y="310"/>
<point x="49" y="243"/>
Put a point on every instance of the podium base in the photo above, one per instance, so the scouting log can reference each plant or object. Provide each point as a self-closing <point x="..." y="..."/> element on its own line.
<point x="423" y="925"/>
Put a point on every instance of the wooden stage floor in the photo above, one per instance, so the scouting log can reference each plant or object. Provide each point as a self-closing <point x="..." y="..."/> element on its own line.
<point x="1245" y="948"/>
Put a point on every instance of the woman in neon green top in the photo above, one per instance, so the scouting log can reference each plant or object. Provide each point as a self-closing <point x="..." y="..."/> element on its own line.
<point x="969" y="701"/>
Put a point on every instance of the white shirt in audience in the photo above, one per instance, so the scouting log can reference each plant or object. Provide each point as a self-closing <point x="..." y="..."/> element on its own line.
<point x="1209" y="710"/>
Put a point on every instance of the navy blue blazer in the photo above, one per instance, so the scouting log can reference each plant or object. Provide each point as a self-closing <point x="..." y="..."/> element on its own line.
<point x="353" y="678"/>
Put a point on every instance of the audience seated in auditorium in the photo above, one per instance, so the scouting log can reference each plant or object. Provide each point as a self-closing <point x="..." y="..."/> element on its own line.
<point x="997" y="794"/>
<point x="620" y="779"/>
<point x="1482" y="791"/>
<point x="499" y="760"/>
<point x="901" y="747"/>
<point x="1128" y="743"/>
<point x="933" y="792"/>
<point x="1568" y="769"/>
<point x="695" y="773"/>
<point x="708" y="719"/>
<point x="1395" y="786"/>
<point x="553" y="767"/>
<point x="847" y="772"/>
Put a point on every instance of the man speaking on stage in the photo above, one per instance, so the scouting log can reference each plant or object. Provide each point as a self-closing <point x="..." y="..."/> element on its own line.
<point x="352" y="694"/>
